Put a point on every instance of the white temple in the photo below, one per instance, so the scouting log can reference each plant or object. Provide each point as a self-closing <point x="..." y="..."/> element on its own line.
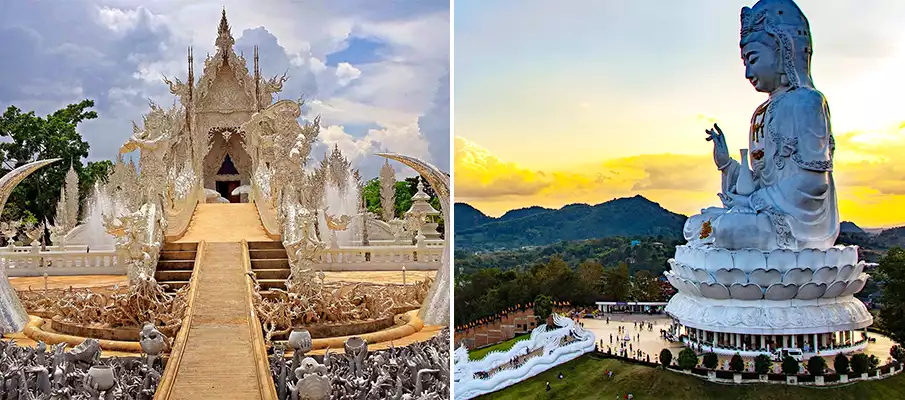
<point x="762" y="272"/>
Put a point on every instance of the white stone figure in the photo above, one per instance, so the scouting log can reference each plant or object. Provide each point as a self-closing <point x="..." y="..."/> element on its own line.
<point x="159" y="132"/>
<point x="793" y="205"/>
<point x="152" y="342"/>
<point x="336" y="224"/>
<point x="763" y="271"/>
<point x="313" y="381"/>
<point x="10" y="230"/>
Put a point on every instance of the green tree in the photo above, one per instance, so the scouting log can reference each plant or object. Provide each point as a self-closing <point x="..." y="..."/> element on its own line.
<point x="736" y="363"/>
<point x="790" y="366"/>
<point x="371" y="193"/>
<point x="30" y="138"/>
<point x="762" y="364"/>
<point x="816" y="365"/>
<point x="840" y="364"/>
<point x="859" y="363"/>
<point x="665" y="357"/>
<point x="711" y="360"/>
<point x="688" y="359"/>
<point x="892" y="273"/>
<point x="616" y="284"/>
<point x="588" y="278"/>
<point x="646" y="287"/>
<point x="543" y="307"/>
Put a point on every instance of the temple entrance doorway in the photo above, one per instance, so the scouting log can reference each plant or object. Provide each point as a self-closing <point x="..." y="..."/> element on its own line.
<point x="225" y="188"/>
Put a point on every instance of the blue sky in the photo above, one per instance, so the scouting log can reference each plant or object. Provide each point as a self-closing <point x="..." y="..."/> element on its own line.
<point x="375" y="71"/>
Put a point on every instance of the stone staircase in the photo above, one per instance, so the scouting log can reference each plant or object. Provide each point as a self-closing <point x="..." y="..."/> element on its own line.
<point x="270" y="263"/>
<point x="176" y="264"/>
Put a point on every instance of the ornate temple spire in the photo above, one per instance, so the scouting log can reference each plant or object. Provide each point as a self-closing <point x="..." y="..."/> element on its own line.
<point x="257" y="82"/>
<point x="225" y="39"/>
<point x="191" y="102"/>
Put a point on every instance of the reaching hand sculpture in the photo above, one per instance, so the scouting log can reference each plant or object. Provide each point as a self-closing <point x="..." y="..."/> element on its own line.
<point x="435" y="309"/>
<point x="12" y="315"/>
<point x="787" y="200"/>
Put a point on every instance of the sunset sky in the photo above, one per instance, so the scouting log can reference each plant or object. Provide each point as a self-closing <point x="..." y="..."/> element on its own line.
<point x="604" y="99"/>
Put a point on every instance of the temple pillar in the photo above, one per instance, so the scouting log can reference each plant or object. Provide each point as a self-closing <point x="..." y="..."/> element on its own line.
<point x="762" y="344"/>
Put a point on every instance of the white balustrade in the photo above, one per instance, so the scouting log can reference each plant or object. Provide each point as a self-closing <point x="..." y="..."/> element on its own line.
<point x="385" y="242"/>
<point x="380" y="258"/>
<point x="75" y="260"/>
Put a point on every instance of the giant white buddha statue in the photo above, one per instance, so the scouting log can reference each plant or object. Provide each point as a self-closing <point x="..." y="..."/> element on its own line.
<point x="787" y="198"/>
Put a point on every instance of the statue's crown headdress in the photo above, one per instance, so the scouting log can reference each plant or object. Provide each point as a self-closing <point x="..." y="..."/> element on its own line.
<point x="783" y="20"/>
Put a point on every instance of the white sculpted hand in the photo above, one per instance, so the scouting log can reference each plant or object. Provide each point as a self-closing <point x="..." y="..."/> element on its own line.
<point x="720" y="149"/>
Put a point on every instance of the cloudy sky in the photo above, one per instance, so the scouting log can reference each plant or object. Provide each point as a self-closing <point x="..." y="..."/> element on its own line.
<point x="606" y="99"/>
<point x="376" y="72"/>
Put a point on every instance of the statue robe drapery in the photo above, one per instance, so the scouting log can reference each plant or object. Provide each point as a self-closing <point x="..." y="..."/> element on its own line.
<point x="794" y="205"/>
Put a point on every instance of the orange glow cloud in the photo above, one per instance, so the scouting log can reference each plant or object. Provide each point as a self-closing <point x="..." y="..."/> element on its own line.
<point x="870" y="182"/>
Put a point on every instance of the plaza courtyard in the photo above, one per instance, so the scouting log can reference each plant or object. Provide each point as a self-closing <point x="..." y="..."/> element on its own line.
<point x="652" y="343"/>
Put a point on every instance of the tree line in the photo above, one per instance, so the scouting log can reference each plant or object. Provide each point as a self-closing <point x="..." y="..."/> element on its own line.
<point x="488" y="291"/>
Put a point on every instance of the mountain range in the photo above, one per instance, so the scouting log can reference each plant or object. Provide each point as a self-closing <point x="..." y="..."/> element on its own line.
<point x="535" y="226"/>
<point x="628" y="217"/>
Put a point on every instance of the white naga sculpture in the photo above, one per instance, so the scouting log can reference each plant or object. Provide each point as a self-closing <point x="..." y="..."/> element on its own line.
<point x="787" y="200"/>
<point x="12" y="315"/>
<point x="762" y="272"/>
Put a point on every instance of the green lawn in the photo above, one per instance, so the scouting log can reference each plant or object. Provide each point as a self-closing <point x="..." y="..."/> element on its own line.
<point x="583" y="379"/>
<point x="502" y="346"/>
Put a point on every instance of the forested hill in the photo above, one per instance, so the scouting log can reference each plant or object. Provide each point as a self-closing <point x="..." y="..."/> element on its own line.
<point x="536" y="226"/>
<point x="639" y="253"/>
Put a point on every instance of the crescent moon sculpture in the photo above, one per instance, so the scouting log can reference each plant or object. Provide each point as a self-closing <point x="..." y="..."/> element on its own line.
<point x="435" y="309"/>
<point x="12" y="314"/>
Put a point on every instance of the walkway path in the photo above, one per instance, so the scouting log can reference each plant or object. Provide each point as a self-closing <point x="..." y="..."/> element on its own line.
<point x="218" y="353"/>
<point x="225" y="222"/>
<point x="217" y="358"/>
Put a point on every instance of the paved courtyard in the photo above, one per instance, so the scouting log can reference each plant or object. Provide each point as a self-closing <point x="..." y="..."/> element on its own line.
<point x="651" y="343"/>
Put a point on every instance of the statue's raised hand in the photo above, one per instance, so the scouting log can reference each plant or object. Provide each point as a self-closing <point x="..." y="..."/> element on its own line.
<point x="720" y="149"/>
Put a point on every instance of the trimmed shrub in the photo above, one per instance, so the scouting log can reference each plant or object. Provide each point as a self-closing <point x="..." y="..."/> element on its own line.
<point x="790" y="366"/>
<point x="816" y="365"/>
<point x="736" y="363"/>
<point x="859" y="363"/>
<point x="711" y="360"/>
<point x="762" y="364"/>
<point x="665" y="357"/>
<point x="840" y="364"/>
<point x="873" y="362"/>
<point x="897" y="352"/>
<point x="688" y="359"/>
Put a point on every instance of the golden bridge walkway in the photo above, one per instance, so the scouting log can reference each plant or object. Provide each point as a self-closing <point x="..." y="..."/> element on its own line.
<point x="219" y="353"/>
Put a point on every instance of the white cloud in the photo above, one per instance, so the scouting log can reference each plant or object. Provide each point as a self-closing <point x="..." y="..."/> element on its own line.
<point x="346" y="73"/>
<point x="404" y="139"/>
<point x="317" y="66"/>
<point x="122" y="48"/>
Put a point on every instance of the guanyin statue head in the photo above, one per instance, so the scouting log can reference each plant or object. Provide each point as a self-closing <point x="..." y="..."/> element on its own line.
<point x="776" y="46"/>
